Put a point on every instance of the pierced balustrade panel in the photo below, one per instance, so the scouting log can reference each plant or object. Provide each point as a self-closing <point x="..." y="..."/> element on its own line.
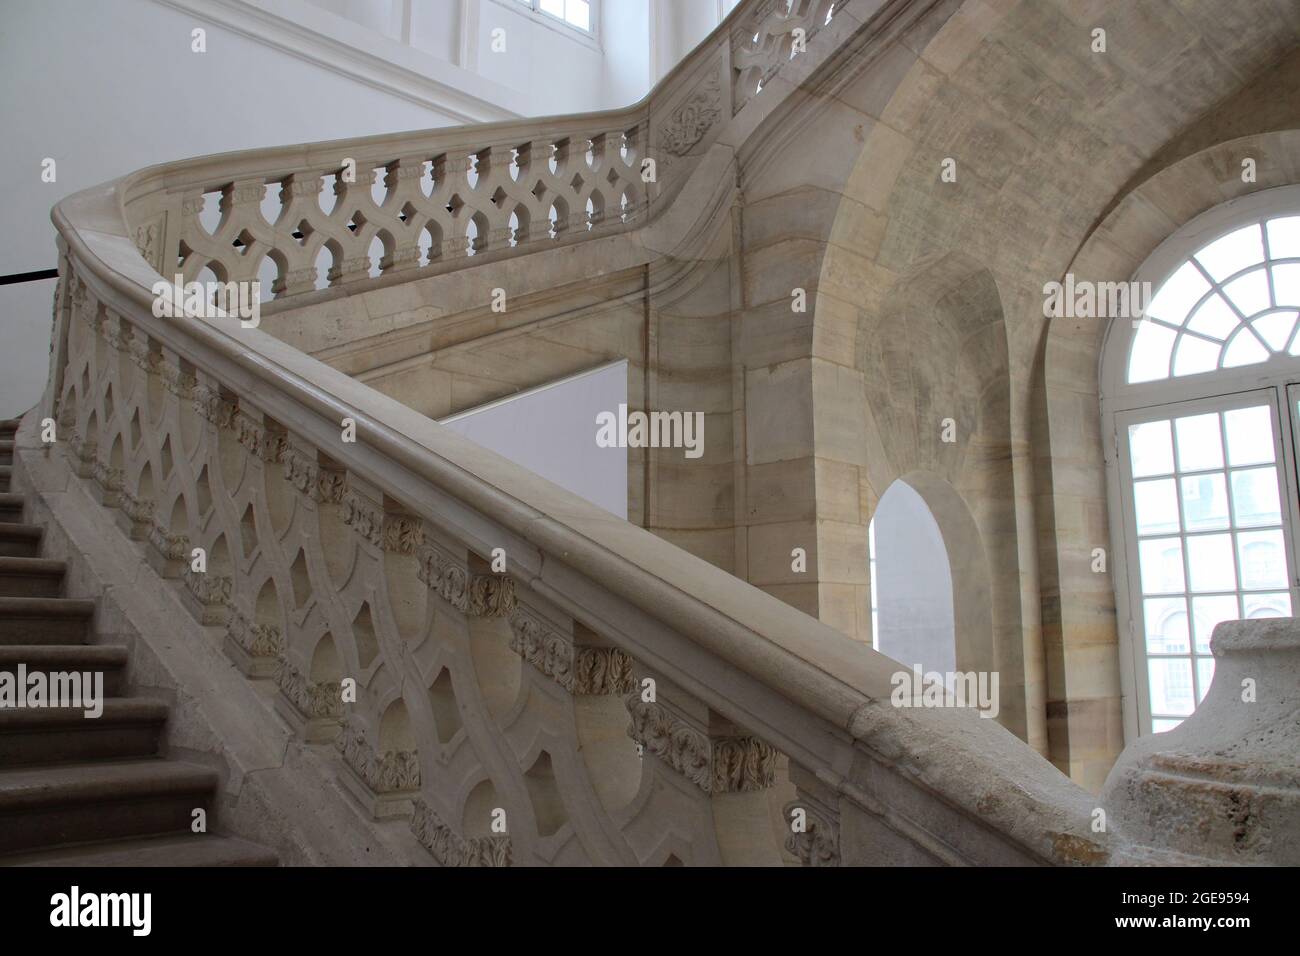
<point x="359" y="220"/>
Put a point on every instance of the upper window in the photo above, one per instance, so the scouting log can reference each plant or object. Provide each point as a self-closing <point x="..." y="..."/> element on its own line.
<point x="1233" y="303"/>
<point x="576" y="13"/>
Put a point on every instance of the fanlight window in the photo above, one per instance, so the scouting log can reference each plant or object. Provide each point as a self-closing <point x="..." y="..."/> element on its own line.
<point x="1233" y="303"/>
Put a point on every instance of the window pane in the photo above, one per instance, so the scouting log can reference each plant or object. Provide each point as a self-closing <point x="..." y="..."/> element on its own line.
<point x="1267" y="605"/>
<point x="1149" y="360"/>
<point x="554" y="7"/>
<point x="1250" y="435"/>
<point x="1171" y="685"/>
<point x="1255" y="497"/>
<point x="1199" y="445"/>
<point x="1161" y="563"/>
<point x="1180" y="292"/>
<point x="1204" y="675"/>
<point x="1275" y="329"/>
<point x="1156" y="506"/>
<point x="1249" y="293"/>
<point x="1263" y="563"/>
<point x="1209" y="558"/>
<point x="1214" y="317"/>
<point x="1195" y="356"/>
<point x="1206" y="613"/>
<point x="1161" y="725"/>
<point x="1232" y="253"/>
<point x="1205" y="502"/>
<point x="1151" y="449"/>
<point x="1244" y="349"/>
<point x="1165" y="620"/>
<point x="1284" y="238"/>
<point x="1286" y="284"/>
<point x="579" y="14"/>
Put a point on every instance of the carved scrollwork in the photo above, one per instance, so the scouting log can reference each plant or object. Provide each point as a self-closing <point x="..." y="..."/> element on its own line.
<point x="491" y="595"/>
<point x="258" y="440"/>
<point x="181" y="384"/>
<point x="445" y="576"/>
<point x="257" y="640"/>
<point x="209" y="589"/>
<point x="310" y="698"/>
<point x="107" y="477"/>
<point x="450" y="849"/>
<point x="544" y="647"/>
<point x="403" y="533"/>
<point x="602" y="670"/>
<point x="209" y="403"/>
<point x="173" y="547"/>
<point x="716" y="765"/>
<point x="139" y="510"/>
<point x="363" y="518"/>
<point x="818" y="842"/>
<point x="389" y="772"/>
<point x="691" y="122"/>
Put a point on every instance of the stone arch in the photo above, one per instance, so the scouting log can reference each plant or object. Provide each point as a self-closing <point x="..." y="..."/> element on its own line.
<point x="1069" y="444"/>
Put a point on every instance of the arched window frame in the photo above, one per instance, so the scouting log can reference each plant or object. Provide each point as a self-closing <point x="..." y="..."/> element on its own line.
<point x="1122" y="404"/>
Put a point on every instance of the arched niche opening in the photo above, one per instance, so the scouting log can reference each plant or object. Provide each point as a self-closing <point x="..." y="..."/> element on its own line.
<point x="931" y="600"/>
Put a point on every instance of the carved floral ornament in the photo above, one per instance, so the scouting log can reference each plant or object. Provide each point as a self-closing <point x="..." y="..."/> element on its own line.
<point x="389" y="772"/>
<point x="730" y="764"/>
<point x="450" y="849"/>
<point x="582" y="670"/>
<point x="817" y="843"/>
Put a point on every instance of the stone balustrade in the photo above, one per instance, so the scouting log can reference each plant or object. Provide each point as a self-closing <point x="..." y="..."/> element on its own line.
<point x="521" y="677"/>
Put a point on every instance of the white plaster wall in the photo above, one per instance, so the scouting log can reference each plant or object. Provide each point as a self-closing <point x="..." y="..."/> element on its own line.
<point x="914" y="583"/>
<point x="551" y="431"/>
<point x="107" y="88"/>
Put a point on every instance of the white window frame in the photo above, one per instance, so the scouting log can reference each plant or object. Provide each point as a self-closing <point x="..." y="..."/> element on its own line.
<point x="1123" y="403"/>
<point x="549" y="20"/>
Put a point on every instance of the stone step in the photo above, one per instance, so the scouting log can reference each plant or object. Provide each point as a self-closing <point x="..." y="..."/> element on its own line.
<point x="6" y="477"/>
<point x="128" y="727"/>
<point x="11" y="505"/>
<point x="108" y="800"/>
<point x="20" y="540"/>
<point x="107" y="659"/>
<point x="6" y="451"/>
<point x="8" y="427"/>
<point x="25" y="620"/>
<point x="31" y="577"/>
<point x="190" y="850"/>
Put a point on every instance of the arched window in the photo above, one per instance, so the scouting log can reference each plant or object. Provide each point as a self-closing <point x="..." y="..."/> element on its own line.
<point x="911" y="583"/>
<point x="1200" y="402"/>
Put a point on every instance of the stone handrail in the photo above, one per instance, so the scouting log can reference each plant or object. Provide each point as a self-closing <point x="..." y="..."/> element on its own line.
<point x="605" y="697"/>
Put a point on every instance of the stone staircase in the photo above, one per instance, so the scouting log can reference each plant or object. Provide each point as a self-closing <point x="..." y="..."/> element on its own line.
<point x="76" y="791"/>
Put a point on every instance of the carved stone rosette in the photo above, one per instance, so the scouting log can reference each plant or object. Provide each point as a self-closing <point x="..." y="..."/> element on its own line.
<point x="390" y="772"/>
<point x="731" y="764"/>
<point x="449" y="849"/>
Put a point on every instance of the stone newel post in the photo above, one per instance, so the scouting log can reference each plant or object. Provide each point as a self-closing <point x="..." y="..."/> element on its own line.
<point x="1224" y="784"/>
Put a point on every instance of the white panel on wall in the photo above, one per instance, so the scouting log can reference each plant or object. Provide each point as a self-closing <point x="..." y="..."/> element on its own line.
<point x="551" y="430"/>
